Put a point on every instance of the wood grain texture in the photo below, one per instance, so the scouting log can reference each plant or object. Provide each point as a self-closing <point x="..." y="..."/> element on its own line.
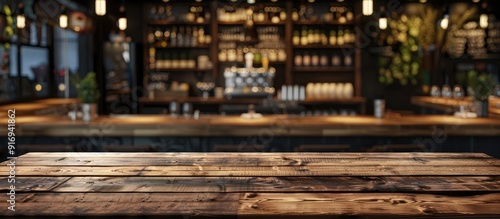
<point x="221" y="170"/>
<point x="258" y="205"/>
<point x="255" y="185"/>
<point x="416" y="184"/>
<point x="251" y="162"/>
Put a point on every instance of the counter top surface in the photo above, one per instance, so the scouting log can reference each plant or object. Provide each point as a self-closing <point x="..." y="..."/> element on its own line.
<point x="452" y="105"/>
<point x="254" y="185"/>
<point x="213" y="125"/>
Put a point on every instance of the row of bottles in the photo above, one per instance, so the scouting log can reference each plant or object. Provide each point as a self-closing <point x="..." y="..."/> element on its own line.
<point x="182" y="36"/>
<point x="340" y="14"/>
<point x="165" y="12"/>
<point x="314" y="59"/>
<point x="338" y="37"/>
<point x="237" y="14"/>
<point x="160" y="59"/>
<point x="316" y="91"/>
<point x="237" y="55"/>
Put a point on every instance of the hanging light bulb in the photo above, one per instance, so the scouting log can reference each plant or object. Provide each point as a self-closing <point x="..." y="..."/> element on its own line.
<point x="382" y="21"/>
<point x="423" y="1"/>
<point x="63" y="19"/>
<point x="251" y="1"/>
<point x="100" y="7"/>
<point x="445" y="21"/>
<point x="476" y="1"/>
<point x="21" y="19"/>
<point x="483" y="18"/>
<point x="367" y="7"/>
<point x="122" y="21"/>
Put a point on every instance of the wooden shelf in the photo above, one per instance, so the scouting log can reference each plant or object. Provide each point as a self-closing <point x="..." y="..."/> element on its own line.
<point x="240" y="41"/>
<point x="164" y="22"/>
<point x="180" y="70"/>
<point x="213" y="100"/>
<point x="353" y="100"/>
<point x="268" y="23"/>
<point x="322" y="23"/>
<point x="324" y="69"/>
<point x="236" y="62"/>
<point x="320" y="46"/>
<point x="203" y="46"/>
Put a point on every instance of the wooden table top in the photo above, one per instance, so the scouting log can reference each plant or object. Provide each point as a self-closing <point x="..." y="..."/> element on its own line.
<point x="255" y="185"/>
<point x="164" y="125"/>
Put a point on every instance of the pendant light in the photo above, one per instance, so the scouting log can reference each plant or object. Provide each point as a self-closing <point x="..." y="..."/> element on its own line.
<point x="100" y="7"/>
<point x="63" y="18"/>
<point x="20" y="18"/>
<point x="122" y="21"/>
<point x="483" y="18"/>
<point x="367" y="7"/>
<point x="446" y="18"/>
<point x="382" y="20"/>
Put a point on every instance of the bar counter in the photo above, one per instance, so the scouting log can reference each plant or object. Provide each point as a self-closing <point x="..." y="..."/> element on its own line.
<point x="277" y="125"/>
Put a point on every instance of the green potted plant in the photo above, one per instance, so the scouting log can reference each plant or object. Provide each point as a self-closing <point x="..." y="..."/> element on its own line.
<point x="480" y="87"/>
<point x="88" y="93"/>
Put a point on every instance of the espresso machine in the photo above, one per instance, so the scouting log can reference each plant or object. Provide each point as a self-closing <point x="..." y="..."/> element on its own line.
<point x="249" y="82"/>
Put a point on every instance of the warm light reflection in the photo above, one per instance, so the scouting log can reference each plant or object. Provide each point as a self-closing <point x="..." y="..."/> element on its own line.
<point x="38" y="87"/>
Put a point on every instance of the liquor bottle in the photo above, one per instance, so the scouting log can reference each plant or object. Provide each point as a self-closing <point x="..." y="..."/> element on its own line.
<point x="333" y="38"/>
<point x="306" y="59"/>
<point x="315" y="59"/>
<point x="323" y="60"/>
<point x="348" y="60"/>
<point x="296" y="38"/>
<point x="173" y="37"/>
<point x="317" y="37"/>
<point x="180" y="37"/>
<point x="194" y="37"/>
<point x="347" y="36"/>
<point x="340" y="38"/>
<point x="310" y="36"/>
<point x="295" y="15"/>
<point x="303" y="38"/>
<point x="187" y="37"/>
<point x="324" y="39"/>
<point x="336" y="60"/>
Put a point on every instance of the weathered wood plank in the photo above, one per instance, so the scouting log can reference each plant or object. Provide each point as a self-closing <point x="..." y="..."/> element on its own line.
<point x="369" y="205"/>
<point x="276" y="184"/>
<point x="250" y="161"/>
<point x="27" y="184"/>
<point x="125" y="204"/>
<point x="258" y="205"/>
<point x="254" y="171"/>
